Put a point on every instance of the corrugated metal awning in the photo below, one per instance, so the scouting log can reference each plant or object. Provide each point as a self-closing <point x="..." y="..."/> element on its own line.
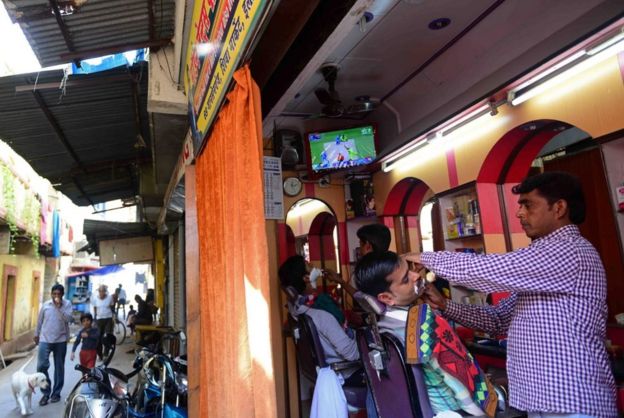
<point x="61" y="31"/>
<point x="90" y="141"/>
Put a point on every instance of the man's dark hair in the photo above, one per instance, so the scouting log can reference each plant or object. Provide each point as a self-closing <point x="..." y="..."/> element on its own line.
<point x="556" y="185"/>
<point x="86" y="315"/>
<point x="58" y="286"/>
<point x="378" y="235"/>
<point x="371" y="272"/>
<point x="292" y="271"/>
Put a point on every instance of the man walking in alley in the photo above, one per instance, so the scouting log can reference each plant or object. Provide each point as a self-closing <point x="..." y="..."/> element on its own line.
<point x="51" y="335"/>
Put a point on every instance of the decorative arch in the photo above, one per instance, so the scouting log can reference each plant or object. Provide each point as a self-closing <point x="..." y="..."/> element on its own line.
<point x="402" y="210"/>
<point x="507" y="163"/>
<point x="321" y="240"/>
<point x="510" y="158"/>
<point x="406" y="197"/>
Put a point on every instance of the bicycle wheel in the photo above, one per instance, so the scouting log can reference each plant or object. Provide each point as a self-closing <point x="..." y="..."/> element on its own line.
<point x="120" y="331"/>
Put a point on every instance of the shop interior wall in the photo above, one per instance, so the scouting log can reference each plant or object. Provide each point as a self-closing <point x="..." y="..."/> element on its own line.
<point x="26" y="266"/>
<point x="278" y="316"/>
<point x="592" y="101"/>
<point x="613" y="155"/>
<point x="599" y="225"/>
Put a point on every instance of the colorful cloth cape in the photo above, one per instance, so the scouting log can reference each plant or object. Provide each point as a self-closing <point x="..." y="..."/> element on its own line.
<point x="427" y="335"/>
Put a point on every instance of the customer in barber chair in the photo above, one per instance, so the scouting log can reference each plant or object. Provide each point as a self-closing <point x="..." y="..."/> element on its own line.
<point x="326" y="315"/>
<point x="453" y="379"/>
<point x="337" y="345"/>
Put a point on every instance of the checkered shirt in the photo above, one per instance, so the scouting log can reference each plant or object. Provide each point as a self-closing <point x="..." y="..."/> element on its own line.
<point x="555" y="320"/>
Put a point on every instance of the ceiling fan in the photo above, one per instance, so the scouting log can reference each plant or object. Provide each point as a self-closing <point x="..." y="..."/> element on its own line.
<point x="332" y="106"/>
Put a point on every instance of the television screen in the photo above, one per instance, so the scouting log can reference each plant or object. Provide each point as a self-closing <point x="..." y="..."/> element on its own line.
<point x="342" y="149"/>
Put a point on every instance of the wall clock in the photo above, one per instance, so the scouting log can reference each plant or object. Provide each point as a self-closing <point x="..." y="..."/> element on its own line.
<point x="292" y="186"/>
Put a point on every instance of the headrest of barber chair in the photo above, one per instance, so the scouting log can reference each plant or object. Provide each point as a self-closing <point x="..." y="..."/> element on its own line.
<point x="369" y="303"/>
<point x="291" y="294"/>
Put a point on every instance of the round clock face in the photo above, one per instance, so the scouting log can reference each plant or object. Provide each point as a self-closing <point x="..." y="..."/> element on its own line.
<point x="292" y="186"/>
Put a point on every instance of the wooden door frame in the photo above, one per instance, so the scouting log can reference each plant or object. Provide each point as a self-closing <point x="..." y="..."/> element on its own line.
<point x="36" y="280"/>
<point x="7" y="271"/>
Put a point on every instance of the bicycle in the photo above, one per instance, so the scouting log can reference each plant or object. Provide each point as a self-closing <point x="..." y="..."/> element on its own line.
<point x="119" y="330"/>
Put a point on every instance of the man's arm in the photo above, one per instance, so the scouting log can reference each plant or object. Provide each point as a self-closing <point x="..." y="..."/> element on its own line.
<point x="538" y="268"/>
<point x="39" y="325"/>
<point x="66" y="310"/>
<point x="331" y="329"/>
<point x="334" y="277"/>
<point x="494" y="320"/>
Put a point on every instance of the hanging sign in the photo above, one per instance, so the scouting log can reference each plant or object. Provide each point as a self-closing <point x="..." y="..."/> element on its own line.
<point x="220" y="32"/>
<point x="273" y="198"/>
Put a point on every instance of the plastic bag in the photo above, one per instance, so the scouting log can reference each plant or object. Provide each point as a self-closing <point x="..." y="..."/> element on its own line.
<point x="329" y="400"/>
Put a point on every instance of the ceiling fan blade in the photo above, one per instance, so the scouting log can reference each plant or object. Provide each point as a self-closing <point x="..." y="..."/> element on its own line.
<point x="296" y="114"/>
<point x="323" y="96"/>
<point x="334" y="95"/>
<point x="333" y="110"/>
<point x="364" y="106"/>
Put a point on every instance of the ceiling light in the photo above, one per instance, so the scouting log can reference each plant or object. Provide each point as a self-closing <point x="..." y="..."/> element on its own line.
<point x="547" y="72"/>
<point x="617" y="38"/>
<point x="565" y="70"/>
<point x="488" y="108"/>
<point x="435" y="135"/>
<point x="392" y="162"/>
<point x="415" y="144"/>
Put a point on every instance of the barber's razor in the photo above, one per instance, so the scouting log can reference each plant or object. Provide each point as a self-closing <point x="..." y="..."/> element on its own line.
<point x="419" y="286"/>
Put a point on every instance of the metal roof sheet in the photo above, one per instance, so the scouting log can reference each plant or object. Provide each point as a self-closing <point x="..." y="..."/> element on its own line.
<point x="96" y="28"/>
<point x="95" y="115"/>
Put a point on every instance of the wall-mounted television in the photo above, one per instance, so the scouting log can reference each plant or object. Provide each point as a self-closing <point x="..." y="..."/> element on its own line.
<point x="344" y="148"/>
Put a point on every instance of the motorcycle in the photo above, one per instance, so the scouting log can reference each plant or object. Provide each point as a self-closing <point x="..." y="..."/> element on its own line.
<point x="162" y="387"/>
<point x="101" y="392"/>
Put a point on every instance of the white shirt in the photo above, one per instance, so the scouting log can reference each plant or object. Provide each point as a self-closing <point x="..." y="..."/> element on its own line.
<point x="103" y="306"/>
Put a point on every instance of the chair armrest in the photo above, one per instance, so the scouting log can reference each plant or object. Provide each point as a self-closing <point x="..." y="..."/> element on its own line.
<point x="342" y="365"/>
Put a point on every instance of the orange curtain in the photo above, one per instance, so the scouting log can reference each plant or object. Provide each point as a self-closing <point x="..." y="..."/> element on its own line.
<point x="236" y="364"/>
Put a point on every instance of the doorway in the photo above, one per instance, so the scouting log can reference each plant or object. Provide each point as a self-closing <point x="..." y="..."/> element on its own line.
<point x="9" y="278"/>
<point x="34" y="298"/>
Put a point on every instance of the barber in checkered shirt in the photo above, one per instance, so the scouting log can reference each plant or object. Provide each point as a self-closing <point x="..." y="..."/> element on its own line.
<point x="555" y="318"/>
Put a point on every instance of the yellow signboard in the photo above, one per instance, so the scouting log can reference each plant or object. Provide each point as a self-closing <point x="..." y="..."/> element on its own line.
<point x="220" y="32"/>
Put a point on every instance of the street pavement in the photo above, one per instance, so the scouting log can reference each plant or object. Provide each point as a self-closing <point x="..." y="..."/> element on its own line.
<point x="8" y="407"/>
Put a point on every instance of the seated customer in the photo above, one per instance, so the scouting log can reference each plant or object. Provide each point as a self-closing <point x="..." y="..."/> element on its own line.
<point x="453" y="379"/>
<point x="337" y="345"/>
<point x="145" y="312"/>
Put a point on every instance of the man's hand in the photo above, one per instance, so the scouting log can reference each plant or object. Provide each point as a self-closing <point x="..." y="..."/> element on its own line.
<point x="36" y="340"/>
<point x="57" y="301"/>
<point x="434" y="298"/>
<point x="412" y="257"/>
<point x="333" y="276"/>
<point x="413" y="262"/>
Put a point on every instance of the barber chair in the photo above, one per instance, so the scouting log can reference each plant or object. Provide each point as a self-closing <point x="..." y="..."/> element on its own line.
<point x="398" y="389"/>
<point x="310" y="355"/>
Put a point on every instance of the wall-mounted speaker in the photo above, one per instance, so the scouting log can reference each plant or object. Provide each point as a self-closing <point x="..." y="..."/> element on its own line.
<point x="288" y="146"/>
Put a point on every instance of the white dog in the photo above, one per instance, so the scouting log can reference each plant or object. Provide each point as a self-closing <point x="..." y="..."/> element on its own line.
<point x="24" y="386"/>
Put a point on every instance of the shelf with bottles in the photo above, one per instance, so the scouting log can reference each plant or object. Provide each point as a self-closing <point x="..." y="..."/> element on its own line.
<point x="461" y="214"/>
<point x="461" y="219"/>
